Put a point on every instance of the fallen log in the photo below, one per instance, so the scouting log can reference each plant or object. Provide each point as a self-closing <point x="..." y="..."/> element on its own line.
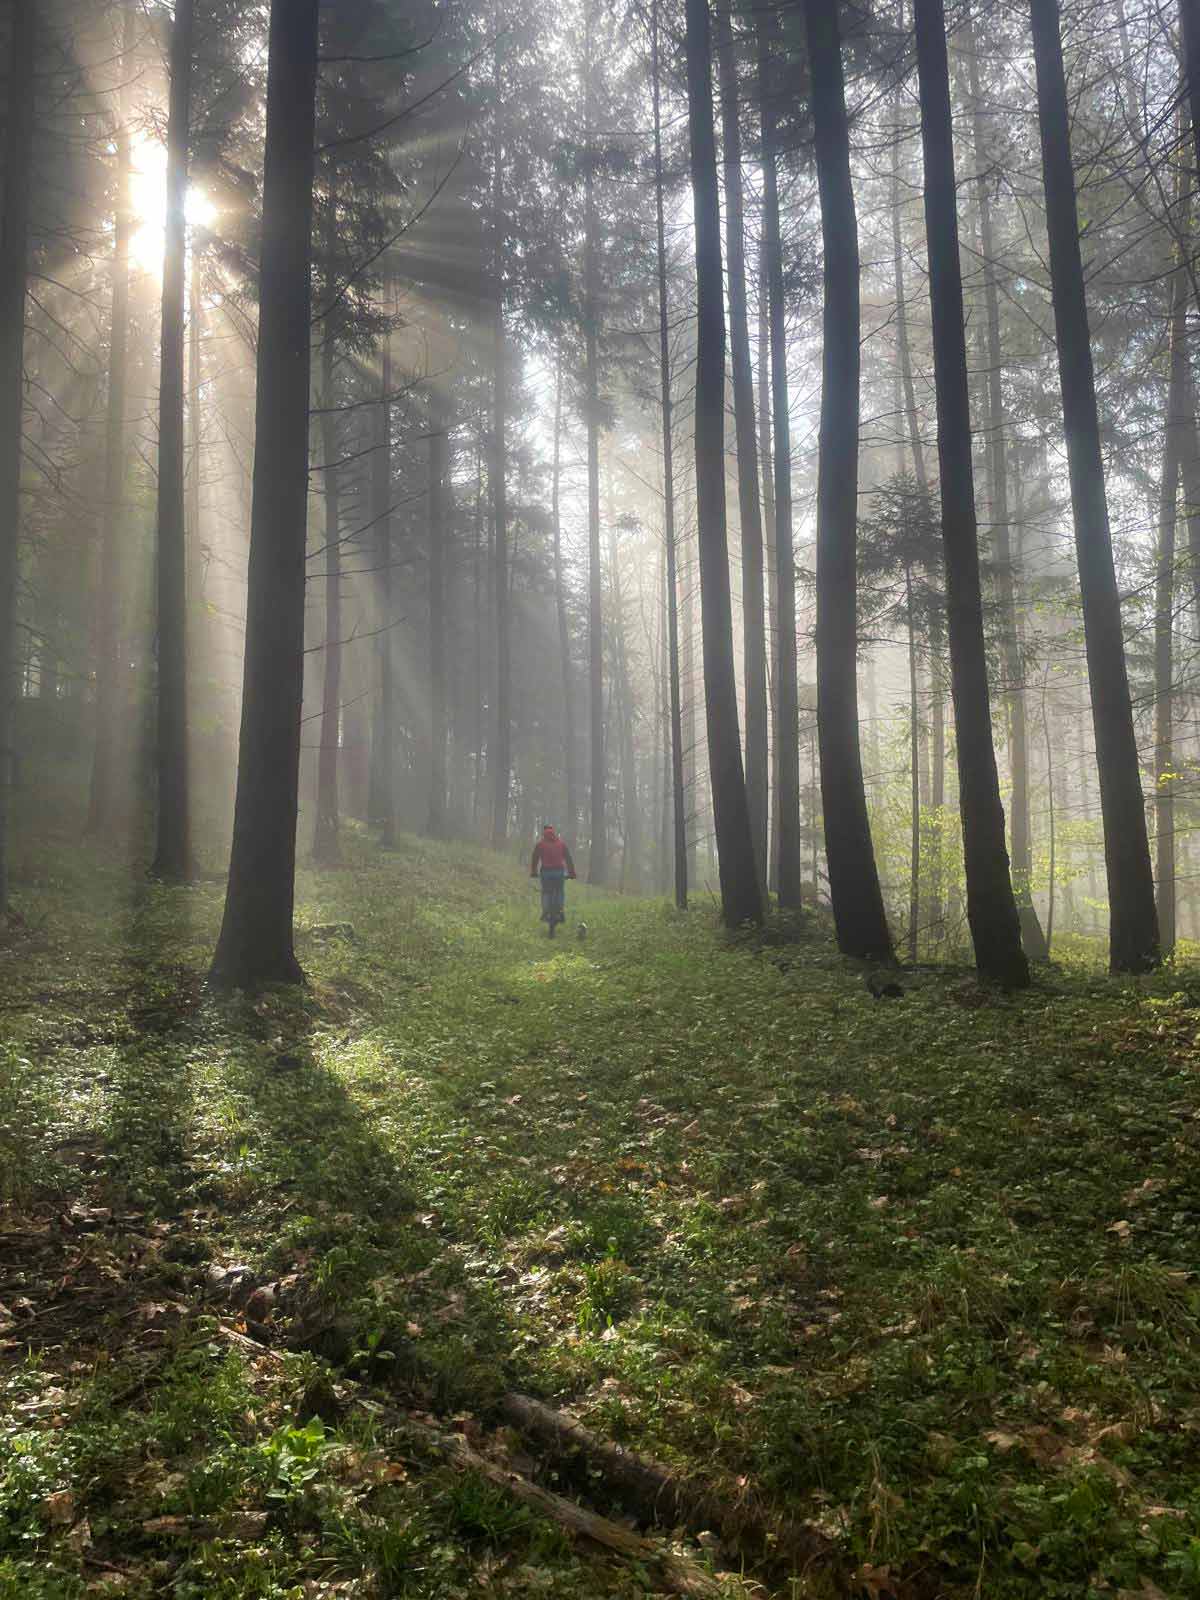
<point x="674" y="1572"/>
<point x="654" y="1494"/>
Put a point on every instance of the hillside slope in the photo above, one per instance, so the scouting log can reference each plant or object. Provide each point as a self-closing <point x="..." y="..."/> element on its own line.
<point x="915" y="1274"/>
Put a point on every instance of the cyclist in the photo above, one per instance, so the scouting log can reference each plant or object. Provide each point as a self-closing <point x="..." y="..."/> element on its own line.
<point x="552" y="858"/>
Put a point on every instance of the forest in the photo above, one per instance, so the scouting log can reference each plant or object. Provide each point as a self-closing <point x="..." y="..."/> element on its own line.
<point x="747" y="454"/>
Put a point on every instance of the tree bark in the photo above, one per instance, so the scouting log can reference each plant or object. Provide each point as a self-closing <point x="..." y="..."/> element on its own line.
<point x="1032" y="936"/>
<point x="325" y="848"/>
<point x="914" y="875"/>
<point x="598" y="852"/>
<point x="767" y="468"/>
<point x="991" y="908"/>
<point x="255" y="943"/>
<point x="1178" y="422"/>
<point x="14" y="269"/>
<point x="632" y="831"/>
<point x="437" y="615"/>
<point x="932" y="792"/>
<point x="1133" y="922"/>
<point x="857" y="900"/>
<point x="787" y="700"/>
<point x="749" y="510"/>
<point x="102" y="796"/>
<point x="173" y="851"/>
<point x="501" y="758"/>
<point x="560" y="606"/>
<point x="689" y="684"/>
<point x="382" y="806"/>
<point x="741" y="897"/>
<point x="1189" y="28"/>
<point x="678" y="792"/>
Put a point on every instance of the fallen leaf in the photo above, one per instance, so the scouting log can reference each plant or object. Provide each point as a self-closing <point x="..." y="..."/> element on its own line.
<point x="60" y="1507"/>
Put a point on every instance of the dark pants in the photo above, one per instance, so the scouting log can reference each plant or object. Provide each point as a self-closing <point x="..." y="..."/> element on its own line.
<point x="553" y="893"/>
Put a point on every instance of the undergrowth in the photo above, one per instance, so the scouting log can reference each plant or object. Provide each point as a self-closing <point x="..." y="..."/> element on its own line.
<point x="919" y="1272"/>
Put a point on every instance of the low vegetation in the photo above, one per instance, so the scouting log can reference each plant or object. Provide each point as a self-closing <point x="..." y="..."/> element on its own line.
<point x="918" y="1273"/>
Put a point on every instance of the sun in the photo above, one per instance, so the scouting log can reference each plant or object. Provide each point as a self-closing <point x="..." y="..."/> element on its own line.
<point x="148" y="199"/>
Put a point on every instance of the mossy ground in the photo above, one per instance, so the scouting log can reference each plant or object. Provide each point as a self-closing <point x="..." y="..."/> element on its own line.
<point x="920" y="1272"/>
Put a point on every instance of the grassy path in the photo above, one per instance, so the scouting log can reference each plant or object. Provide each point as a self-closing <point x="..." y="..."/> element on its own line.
<point x="920" y="1272"/>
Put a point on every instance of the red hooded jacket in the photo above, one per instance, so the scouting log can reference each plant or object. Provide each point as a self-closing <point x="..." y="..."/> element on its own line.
<point x="551" y="852"/>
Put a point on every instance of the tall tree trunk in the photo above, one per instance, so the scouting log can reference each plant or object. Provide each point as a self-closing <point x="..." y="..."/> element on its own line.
<point x="1018" y="739"/>
<point x="598" y="854"/>
<point x="787" y="700"/>
<point x="325" y="835"/>
<point x="741" y="898"/>
<point x="560" y="606"/>
<point x="255" y="943"/>
<point x="914" y="701"/>
<point x="382" y="806"/>
<point x="1133" y="923"/>
<point x="857" y="900"/>
<point x="632" y="831"/>
<point x="767" y="468"/>
<point x="667" y="797"/>
<point x="749" y="512"/>
<point x="678" y="793"/>
<point x="690" y="684"/>
<point x="1189" y="27"/>
<point x="1178" y="422"/>
<point x="1051" y="819"/>
<point x="102" y="796"/>
<point x="14" y="254"/>
<point x="437" y="614"/>
<point x="991" y="908"/>
<point x="481" y="611"/>
<point x="173" y="851"/>
<point x="933" y="764"/>
<point x="500" y="759"/>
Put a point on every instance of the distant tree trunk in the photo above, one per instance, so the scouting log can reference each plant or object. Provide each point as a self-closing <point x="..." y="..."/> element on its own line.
<point x="933" y="766"/>
<point x="1133" y="923"/>
<point x="678" y="793"/>
<point x="560" y="605"/>
<point x="787" y="699"/>
<point x="14" y="253"/>
<point x="749" y="512"/>
<point x="666" y="848"/>
<point x="326" y="844"/>
<point x="741" y="897"/>
<point x="767" y="468"/>
<point x="1189" y="27"/>
<point x="1018" y="739"/>
<point x="1190" y="469"/>
<point x="255" y="944"/>
<point x="991" y="908"/>
<point x="1178" y="422"/>
<point x="690" y="686"/>
<point x="102" y="793"/>
<point x="173" y="851"/>
<point x="382" y="805"/>
<point x="500" y="759"/>
<point x="1053" y="832"/>
<point x="632" y="832"/>
<point x="857" y="900"/>
<point x="914" y="876"/>
<point x="479" y="589"/>
<point x="598" y="854"/>
<point x="437" y="615"/>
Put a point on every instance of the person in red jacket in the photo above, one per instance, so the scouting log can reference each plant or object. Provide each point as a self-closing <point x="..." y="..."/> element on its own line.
<point x="553" y="860"/>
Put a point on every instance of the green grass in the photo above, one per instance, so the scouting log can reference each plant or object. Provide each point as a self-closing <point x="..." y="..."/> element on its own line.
<point x="921" y="1273"/>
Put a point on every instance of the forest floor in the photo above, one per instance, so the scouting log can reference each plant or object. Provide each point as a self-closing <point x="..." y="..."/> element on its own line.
<point x="907" y="1288"/>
